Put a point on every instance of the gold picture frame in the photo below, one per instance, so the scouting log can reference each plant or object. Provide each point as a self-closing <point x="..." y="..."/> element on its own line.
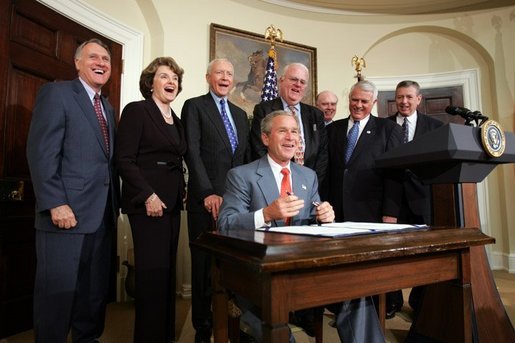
<point x="246" y="50"/>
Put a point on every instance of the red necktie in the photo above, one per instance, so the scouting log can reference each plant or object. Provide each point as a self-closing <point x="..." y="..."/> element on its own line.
<point x="285" y="188"/>
<point x="101" y="120"/>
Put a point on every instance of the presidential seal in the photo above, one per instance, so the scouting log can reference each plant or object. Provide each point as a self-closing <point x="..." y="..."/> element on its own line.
<point x="492" y="138"/>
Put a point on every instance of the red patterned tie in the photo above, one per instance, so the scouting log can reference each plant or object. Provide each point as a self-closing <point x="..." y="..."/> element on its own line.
<point x="101" y="120"/>
<point x="285" y="188"/>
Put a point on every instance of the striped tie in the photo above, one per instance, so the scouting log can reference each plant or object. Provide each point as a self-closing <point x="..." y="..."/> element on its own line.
<point x="101" y="120"/>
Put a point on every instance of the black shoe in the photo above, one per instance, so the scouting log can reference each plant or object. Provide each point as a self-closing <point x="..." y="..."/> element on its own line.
<point x="246" y="338"/>
<point x="390" y="313"/>
<point x="202" y="337"/>
<point x="305" y="322"/>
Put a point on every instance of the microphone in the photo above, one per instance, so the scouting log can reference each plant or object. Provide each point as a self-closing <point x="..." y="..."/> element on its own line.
<point x="458" y="111"/>
<point x="467" y="114"/>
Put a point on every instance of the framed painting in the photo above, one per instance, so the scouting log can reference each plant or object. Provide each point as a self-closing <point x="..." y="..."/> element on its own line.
<point x="248" y="52"/>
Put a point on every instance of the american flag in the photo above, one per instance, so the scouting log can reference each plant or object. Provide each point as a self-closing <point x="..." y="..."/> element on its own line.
<point x="269" y="90"/>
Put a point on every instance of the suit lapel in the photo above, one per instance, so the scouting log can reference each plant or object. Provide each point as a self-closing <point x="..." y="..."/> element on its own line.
<point x="86" y="106"/>
<point x="265" y="176"/>
<point x="111" y="122"/>
<point x="239" y="122"/>
<point x="306" y="128"/>
<point x="299" y="186"/>
<point x="216" y="119"/>
<point x="366" y="137"/>
<point x="421" y="127"/>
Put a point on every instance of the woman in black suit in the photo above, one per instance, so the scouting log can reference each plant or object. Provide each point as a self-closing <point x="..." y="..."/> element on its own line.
<point x="149" y="149"/>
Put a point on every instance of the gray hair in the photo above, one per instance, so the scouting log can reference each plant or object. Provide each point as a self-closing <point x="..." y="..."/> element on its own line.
<point x="78" y="52"/>
<point x="266" y="122"/>
<point x="366" y="86"/>
<point x="210" y="65"/>
<point x="302" y="66"/>
<point x="409" y="83"/>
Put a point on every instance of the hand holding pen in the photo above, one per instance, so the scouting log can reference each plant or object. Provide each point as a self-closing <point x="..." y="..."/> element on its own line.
<point x="283" y="207"/>
<point x="324" y="212"/>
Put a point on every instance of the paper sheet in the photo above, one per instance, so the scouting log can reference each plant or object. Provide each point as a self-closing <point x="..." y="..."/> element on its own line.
<point x="343" y="229"/>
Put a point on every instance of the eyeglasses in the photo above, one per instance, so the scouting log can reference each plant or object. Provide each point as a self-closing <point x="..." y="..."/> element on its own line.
<point x="296" y="80"/>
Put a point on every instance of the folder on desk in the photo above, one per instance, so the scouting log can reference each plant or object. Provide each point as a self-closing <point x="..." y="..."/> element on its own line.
<point x="344" y="229"/>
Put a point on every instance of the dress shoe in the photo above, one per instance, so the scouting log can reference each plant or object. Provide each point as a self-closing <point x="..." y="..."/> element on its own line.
<point x="305" y="322"/>
<point x="390" y="312"/>
<point x="246" y="338"/>
<point x="202" y="337"/>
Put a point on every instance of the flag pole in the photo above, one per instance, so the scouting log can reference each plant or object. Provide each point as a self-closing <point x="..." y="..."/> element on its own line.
<point x="269" y="91"/>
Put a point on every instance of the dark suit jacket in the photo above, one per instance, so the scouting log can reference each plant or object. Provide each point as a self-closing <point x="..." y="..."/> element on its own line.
<point x="315" y="155"/>
<point x="359" y="191"/>
<point x="149" y="159"/>
<point x="209" y="155"/>
<point x="416" y="196"/>
<point x="68" y="161"/>
<point x="252" y="187"/>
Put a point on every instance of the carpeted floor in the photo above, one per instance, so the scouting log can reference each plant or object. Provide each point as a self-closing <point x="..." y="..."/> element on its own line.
<point x="120" y="317"/>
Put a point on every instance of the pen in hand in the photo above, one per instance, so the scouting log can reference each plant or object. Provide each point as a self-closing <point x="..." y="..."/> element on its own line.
<point x="316" y="204"/>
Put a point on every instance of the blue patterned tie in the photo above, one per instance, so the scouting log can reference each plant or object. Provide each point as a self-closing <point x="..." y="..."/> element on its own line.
<point x="405" y="130"/>
<point x="352" y="138"/>
<point x="228" y="127"/>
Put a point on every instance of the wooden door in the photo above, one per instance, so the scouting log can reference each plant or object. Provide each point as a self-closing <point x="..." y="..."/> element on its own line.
<point x="37" y="45"/>
<point x="434" y="101"/>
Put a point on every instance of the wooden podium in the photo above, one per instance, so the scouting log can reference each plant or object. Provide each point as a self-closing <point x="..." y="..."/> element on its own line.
<point x="453" y="160"/>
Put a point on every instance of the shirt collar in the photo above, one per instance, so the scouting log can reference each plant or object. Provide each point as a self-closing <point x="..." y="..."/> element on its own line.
<point x="89" y="90"/>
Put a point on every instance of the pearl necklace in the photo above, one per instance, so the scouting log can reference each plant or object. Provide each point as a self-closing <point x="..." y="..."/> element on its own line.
<point x="167" y="115"/>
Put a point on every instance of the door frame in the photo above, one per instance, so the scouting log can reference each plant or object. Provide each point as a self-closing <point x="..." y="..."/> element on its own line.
<point x="130" y="39"/>
<point x="470" y="81"/>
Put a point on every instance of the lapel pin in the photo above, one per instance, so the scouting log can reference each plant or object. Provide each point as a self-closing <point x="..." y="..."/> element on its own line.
<point x="368" y="132"/>
<point x="304" y="187"/>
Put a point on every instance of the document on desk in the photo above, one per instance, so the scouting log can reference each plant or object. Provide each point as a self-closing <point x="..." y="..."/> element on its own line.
<point x="344" y="229"/>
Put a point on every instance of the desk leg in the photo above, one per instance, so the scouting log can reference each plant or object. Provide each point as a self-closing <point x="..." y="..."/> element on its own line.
<point x="220" y="312"/>
<point x="445" y="311"/>
<point x="276" y="333"/>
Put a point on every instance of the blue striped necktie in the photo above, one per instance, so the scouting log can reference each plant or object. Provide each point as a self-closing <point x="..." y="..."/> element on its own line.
<point x="352" y="138"/>
<point x="228" y="127"/>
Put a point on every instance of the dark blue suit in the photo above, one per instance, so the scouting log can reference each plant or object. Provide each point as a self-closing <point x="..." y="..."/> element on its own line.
<point x="70" y="165"/>
<point x="209" y="158"/>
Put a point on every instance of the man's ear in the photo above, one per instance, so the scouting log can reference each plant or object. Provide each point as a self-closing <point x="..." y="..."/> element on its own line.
<point x="264" y="138"/>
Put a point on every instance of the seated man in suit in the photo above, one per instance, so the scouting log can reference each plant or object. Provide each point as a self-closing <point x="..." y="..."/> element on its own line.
<point x="272" y="191"/>
<point x="312" y="147"/>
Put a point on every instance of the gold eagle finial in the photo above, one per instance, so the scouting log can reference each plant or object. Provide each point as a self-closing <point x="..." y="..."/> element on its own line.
<point x="358" y="63"/>
<point x="272" y="34"/>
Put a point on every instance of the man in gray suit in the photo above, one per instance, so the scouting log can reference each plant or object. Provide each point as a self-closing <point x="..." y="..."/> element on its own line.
<point x="70" y="150"/>
<point x="252" y="196"/>
<point x="253" y="199"/>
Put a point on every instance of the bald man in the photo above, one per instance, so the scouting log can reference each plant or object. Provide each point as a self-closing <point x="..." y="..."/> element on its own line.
<point x="326" y="102"/>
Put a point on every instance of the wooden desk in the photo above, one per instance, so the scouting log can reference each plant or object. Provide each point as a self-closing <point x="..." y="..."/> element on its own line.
<point x="283" y="273"/>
